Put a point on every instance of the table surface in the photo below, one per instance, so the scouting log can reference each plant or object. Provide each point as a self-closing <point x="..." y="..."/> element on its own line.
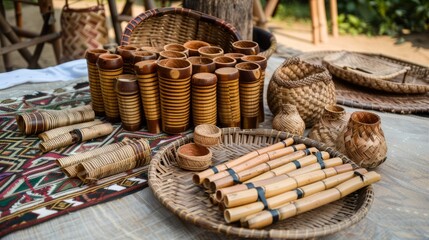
<point x="400" y="209"/>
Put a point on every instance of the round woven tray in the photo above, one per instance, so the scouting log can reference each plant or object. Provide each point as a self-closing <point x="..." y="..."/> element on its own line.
<point x="175" y="190"/>
<point x="366" y="98"/>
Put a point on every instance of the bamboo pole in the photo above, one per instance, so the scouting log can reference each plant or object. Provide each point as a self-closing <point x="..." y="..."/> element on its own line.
<point x="266" y="218"/>
<point x="199" y="177"/>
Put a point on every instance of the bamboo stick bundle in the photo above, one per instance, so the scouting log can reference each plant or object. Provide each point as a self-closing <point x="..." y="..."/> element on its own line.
<point x="221" y="193"/>
<point x="303" y="162"/>
<point x="237" y="213"/>
<point x="276" y="188"/>
<point x="268" y="217"/>
<point x="207" y="183"/>
<point x="199" y="177"/>
<point x="253" y="172"/>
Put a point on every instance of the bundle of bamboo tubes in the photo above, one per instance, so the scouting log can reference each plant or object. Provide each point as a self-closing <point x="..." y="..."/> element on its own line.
<point x="265" y="185"/>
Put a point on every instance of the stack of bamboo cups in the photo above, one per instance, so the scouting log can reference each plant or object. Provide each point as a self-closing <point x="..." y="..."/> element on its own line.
<point x="228" y="98"/>
<point x="204" y="105"/>
<point x="91" y="56"/>
<point x="127" y="91"/>
<point x="250" y="74"/>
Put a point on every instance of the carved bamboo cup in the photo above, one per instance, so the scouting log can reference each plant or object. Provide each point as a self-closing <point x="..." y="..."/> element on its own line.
<point x="210" y="51"/>
<point x="224" y="61"/>
<point x="303" y="162"/>
<point x="265" y="218"/>
<point x="276" y="188"/>
<point x="228" y="178"/>
<point x="236" y="56"/>
<point x="127" y="91"/>
<point x="210" y="183"/>
<point x="141" y="55"/>
<point x="155" y="50"/>
<point x="228" y="97"/>
<point x="177" y="48"/>
<point x="149" y="93"/>
<point x="194" y="45"/>
<point x="172" y="55"/>
<point x="262" y="62"/>
<point x="200" y="177"/>
<point x="202" y="64"/>
<point x="44" y="136"/>
<point x="204" y="98"/>
<point x="240" y="212"/>
<point x="110" y="67"/>
<point x="250" y="73"/>
<point x="91" y="56"/>
<point x="126" y="53"/>
<point x="246" y="47"/>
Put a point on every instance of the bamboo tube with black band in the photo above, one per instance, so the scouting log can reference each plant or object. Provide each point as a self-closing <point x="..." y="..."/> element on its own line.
<point x="199" y="177"/>
<point x="268" y="217"/>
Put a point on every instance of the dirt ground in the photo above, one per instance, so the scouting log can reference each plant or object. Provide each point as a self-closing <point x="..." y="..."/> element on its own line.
<point x="292" y="38"/>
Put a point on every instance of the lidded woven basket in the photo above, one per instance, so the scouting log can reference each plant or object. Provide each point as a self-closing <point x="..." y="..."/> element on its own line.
<point x="307" y="86"/>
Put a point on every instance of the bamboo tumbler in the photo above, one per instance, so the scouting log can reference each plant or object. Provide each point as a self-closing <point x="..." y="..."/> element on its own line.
<point x="44" y="136"/>
<point x="204" y="107"/>
<point x="224" y="61"/>
<point x="238" y="213"/>
<point x="141" y="55"/>
<point x="250" y="73"/>
<point x="200" y="177"/>
<point x="266" y="218"/>
<point x="109" y="68"/>
<point x="246" y="47"/>
<point x="149" y="93"/>
<point x="172" y="55"/>
<point x="155" y="50"/>
<point x="262" y="62"/>
<point x="202" y="64"/>
<point x="177" y="48"/>
<point x="236" y="56"/>
<point x="210" y="51"/>
<point x="228" y="102"/>
<point x="126" y="53"/>
<point x="91" y="56"/>
<point x="127" y="91"/>
<point x="194" y="45"/>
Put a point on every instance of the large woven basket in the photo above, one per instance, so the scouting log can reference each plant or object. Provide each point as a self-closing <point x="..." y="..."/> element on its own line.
<point x="307" y="86"/>
<point x="175" y="189"/>
<point x="161" y="26"/>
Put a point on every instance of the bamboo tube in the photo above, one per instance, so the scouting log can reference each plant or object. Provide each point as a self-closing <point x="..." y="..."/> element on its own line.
<point x="213" y="199"/>
<point x="266" y="218"/>
<point x="305" y="161"/>
<point x="237" y="213"/>
<point x="276" y="188"/>
<point x="199" y="177"/>
<point x="211" y="183"/>
<point x="62" y="140"/>
<point x="45" y="136"/>
<point x="221" y="193"/>
<point x="261" y="168"/>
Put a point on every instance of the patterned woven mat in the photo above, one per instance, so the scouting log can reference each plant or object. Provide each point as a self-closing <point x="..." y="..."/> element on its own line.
<point x="33" y="189"/>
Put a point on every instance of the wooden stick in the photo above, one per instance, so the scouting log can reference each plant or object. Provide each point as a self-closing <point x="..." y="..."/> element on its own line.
<point x="237" y="213"/>
<point x="265" y="218"/>
<point x="199" y="177"/>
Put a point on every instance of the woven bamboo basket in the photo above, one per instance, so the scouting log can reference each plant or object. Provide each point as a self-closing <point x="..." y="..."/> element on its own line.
<point x="307" y="86"/>
<point x="158" y="27"/>
<point x="175" y="189"/>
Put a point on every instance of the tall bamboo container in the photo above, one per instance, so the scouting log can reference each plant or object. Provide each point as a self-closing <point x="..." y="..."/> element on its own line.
<point x="228" y="102"/>
<point x="126" y="53"/>
<point x="91" y="56"/>
<point x="127" y="91"/>
<point x="250" y="74"/>
<point x="204" y="107"/>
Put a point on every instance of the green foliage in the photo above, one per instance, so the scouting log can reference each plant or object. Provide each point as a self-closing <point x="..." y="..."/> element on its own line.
<point x="293" y="10"/>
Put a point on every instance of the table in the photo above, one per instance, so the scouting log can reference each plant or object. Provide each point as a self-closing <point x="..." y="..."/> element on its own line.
<point x="400" y="209"/>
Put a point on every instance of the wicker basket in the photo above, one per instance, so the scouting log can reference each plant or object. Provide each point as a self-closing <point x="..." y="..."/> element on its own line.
<point x="307" y="86"/>
<point x="175" y="189"/>
<point x="162" y="26"/>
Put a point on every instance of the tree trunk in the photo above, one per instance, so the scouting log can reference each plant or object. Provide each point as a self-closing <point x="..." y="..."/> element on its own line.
<point x="237" y="12"/>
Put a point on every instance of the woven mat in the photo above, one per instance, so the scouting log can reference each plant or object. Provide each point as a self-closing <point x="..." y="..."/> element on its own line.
<point x="32" y="187"/>
<point x="364" y="98"/>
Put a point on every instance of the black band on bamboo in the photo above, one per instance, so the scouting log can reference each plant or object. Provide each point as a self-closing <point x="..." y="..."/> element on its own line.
<point x="249" y="185"/>
<point x="284" y="143"/>
<point x="215" y="170"/>
<point x="275" y="214"/>
<point x="359" y="174"/>
<point x="233" y="175"/>
<point x="294" y="148"/>
<point x="297" y="164"/>
<point x="299" y="192"/>
<point x="320" y="160"/>
<point x="261" y="196"/>
<point x="78" y="134"/>
<point x="307" y="151"/>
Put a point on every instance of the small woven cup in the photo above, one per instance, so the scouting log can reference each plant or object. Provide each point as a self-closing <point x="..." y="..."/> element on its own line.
<point x="194" y="157"/>
<point x="207" y="135"/>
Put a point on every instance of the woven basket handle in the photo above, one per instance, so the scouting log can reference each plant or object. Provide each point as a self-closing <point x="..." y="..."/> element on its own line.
<point x="99" y="2"/>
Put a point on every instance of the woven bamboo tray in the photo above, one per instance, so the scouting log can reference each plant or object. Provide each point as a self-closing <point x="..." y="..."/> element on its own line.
<point x="175" y="190"/>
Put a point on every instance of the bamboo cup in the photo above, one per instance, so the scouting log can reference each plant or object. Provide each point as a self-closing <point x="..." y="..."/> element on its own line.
<point x="126" y="53"/>
<point x="141" y="55"/>
<point x="127" y="91"/>
<point x="172" y="55"/>
<point x="266" y="218"/>
<point x="224" y="61"/>
<point x="225" y="179"/>
<point x="200" y="177"/>
<point x="238" y="213"/>
<point x="250" y="74"/>
<point x="44" y="136"/>
<point x="155" y="50"/>
<point x="204" y="98"/>
<point x="194" y="45"/>
<point x="246" y="47"/>
<point x="210" y="51"/>
<point x="202" y="64"/>
<point x="91" y="56"/>
<point x="177" y="48"/>
<point x="228" y="97"/>
<point x="276" y="188"/>
<point x="236" y="56"/>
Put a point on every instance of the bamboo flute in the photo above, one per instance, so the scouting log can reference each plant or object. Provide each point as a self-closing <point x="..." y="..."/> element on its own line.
<point x="302" y="162"/>
<point x="199" y="177"/>
<point x="207" y="183"/>
<point x="221" y="193"/>
<point x="253" y="172"/>
<point x="276" y="188"/>
<point x="237" y="213"/>
<point x="267" y="217"/>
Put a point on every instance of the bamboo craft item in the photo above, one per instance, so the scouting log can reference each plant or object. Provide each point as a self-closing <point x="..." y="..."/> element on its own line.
<point x="141" y="55"/>
<point x="250" y="73"/>
<point x="200" y="177"/>
<point x="207" y="135"/>
<point x="91" y="56"/>
<point x="155" y="50"/>
<point x="127" y="91"/>
<point x="241" y="212"/>
<point x="236" y="56"/>
<point x="210" y="183"/>
<point x="202" y="64"/>
<point x="126" y="53"/>
<point x="45" y="136"/>
<point x="193" y="46"/>
<point x="246" y="47"/>
<point x="289" y="120"/>
<point x="149" y="92"/>
<point x="204" y="107"/>
<point x="224" y="61"/>
<point x="110" y="67"/>
<point x="194" y="157"/>
<point x="268" y="217"/>
<point x="228" y="96"/>
<point x="210" y="51"/>
<point x="171" y="55"/>
<point x="177" y="48"/>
